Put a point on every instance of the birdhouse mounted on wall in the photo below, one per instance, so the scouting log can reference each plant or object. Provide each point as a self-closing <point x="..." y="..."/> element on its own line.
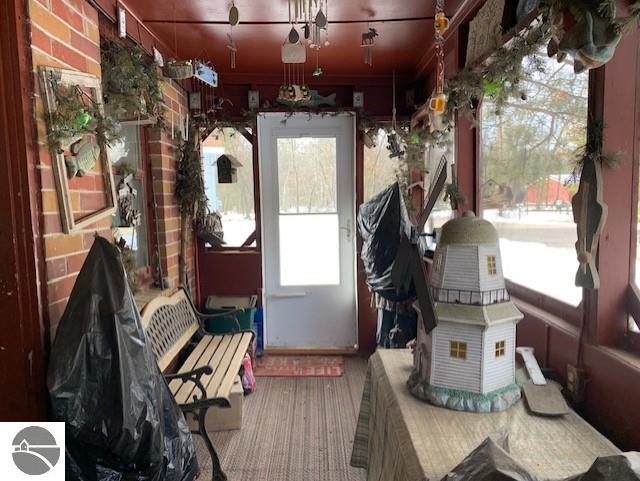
<point x="228" y="169"/>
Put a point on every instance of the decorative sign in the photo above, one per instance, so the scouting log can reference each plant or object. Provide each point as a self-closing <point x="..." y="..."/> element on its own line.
<point x="122" y="22"/>
<point x="207" y="74"/>
<point x="484" y="30"/>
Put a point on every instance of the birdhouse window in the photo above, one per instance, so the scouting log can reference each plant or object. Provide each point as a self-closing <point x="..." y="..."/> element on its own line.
<point x="491" y="265"/>
<point x="500" y="348"/>
<point x="438" y="263"/>
<point x="458" y="349"/>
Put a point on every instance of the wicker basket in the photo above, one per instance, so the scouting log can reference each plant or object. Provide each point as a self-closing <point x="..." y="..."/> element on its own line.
<point x="178" y="70"/>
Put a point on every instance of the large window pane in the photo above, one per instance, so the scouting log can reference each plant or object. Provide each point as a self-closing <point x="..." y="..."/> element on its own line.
<point x="235" y="201"/>
<point x="526" y="181"/>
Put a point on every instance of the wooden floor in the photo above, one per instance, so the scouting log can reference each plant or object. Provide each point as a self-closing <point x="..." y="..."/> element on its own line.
<point x="294" y="429"/>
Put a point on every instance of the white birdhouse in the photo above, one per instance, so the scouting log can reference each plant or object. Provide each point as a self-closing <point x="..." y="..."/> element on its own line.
<point x="467" y="362"/>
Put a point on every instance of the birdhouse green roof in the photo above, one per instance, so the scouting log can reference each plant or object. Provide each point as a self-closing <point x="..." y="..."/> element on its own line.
<point x="468" y="229"/>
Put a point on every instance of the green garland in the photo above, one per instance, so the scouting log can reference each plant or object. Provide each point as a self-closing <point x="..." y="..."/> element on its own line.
<point x="131" y="82"/>
<point x="190" y="189"/>
<point x="76" y="114"/>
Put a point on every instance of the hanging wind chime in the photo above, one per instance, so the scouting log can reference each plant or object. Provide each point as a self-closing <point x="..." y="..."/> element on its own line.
<point x="438" y="101"/>
<point x="367" y="44"/>
<point x="312" y="14"/>
<point x="234" y="18"/>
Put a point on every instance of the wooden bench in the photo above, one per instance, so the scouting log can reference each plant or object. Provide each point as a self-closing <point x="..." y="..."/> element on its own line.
<point x="205" y="378"/>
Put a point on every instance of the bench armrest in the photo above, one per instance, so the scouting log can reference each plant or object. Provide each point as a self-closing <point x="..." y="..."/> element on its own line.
<point x="194" y="377"/>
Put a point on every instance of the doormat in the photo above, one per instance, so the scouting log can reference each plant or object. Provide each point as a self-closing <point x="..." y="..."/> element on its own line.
<point x="299" y="366"/>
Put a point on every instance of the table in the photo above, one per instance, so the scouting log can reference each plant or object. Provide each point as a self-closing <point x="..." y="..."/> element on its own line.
<point x="400" y="438"/>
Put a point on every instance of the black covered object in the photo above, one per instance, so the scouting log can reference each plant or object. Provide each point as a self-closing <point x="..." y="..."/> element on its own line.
<point x="381" y="222"/>
<point x="492" y="461"/>
<point x="122" y="421"/>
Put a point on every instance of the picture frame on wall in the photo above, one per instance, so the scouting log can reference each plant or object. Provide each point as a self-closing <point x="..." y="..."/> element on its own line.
<point x="74" y="215"/>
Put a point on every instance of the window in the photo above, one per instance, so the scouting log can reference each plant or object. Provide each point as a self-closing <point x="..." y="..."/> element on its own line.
<point x="527" y="181"/>
<point x="500" y="348"/>
<point x="438" y="261"/>
<point x="126" y="156"/>
<point x="491" y="265"/>
<point x="458" y="349"/>
<point x="234" y="202"/>
<point x="380" y="171"/>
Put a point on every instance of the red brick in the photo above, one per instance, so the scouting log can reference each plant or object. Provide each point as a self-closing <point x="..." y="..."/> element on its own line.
<point x="52" y="224"/>
<point x="56" y="268"/>
<point x="68" y="56"/>
<point x="89" y="12"/>
<point x="40" y="39"/>
<point x="99" y="183"/>
<point x="56" y="309"/>
<point x="47" y="181"/>
<point x="66" y="13"/>
<point x="91" y="202"/>
<point x="82" y="183"/>
<point x="74" y="262"/>
<point x="87" y="47"/>
<point x="60" y="245"/>
<point x="58" y="290"/>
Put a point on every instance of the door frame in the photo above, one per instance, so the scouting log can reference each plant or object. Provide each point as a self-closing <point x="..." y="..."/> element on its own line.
<point x="353" y="211"/>
<point x="23" y="335"/>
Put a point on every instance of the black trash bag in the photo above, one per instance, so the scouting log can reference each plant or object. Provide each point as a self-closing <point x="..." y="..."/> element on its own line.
<point x="122" y="422"/>
<point x="381" y="222"/>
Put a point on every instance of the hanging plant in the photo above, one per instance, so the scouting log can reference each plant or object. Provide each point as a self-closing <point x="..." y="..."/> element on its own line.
<point x="178" y="69"/>
<point x="130" y="82"/>
<point x="190" y="189"/>
<point x="76" y="114"/>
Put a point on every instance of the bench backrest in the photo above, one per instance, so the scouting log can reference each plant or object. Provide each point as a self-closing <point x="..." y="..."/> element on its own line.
<point x="169" y="322"/>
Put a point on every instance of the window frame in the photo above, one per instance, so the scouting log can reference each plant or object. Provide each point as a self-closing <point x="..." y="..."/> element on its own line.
<point x="500" y="349"/>
<point x="492" y="266"/>
<point x="458" y="350"/>
<point x="256" y="235"/>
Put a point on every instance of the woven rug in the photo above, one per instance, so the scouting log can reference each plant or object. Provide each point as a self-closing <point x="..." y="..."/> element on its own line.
<point x="299" y="366"/>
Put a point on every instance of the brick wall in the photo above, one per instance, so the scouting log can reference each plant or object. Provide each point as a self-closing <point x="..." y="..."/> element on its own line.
<point x="163" y="148"/>
<point x="65" y="34"/>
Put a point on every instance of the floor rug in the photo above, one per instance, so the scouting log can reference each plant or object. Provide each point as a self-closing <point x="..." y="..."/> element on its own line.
<point x="299" y="366"/>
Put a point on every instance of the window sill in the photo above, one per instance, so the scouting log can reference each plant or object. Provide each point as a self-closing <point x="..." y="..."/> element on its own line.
<point x="546" y="317"/>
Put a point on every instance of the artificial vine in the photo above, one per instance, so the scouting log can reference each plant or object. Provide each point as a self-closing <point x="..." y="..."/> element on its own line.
<point x="190" y="189"/>
<point x="76" y="114"/>
<point x="131" y="82"/>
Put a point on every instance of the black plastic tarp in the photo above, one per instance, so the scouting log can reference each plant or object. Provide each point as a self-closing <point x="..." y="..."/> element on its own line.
<point x="492" y="461"/>
<point x="122" y="421"/>
<point x="381" y="222"/>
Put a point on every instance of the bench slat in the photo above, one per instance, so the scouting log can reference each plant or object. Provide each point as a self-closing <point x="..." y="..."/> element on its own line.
<point x="223" y="370"/>
<point x="211" y="357"/>
<point x="229" y="378"/>
<point x="194" y="357"/>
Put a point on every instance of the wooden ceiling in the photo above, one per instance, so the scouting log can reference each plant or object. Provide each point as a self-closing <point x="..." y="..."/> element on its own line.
<point x="198" y="29"/>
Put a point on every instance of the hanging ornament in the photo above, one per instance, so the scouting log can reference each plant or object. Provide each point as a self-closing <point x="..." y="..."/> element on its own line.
<point x="438" y="102"/>
<point x="367" y="44"/>
<point x="234" y="19"/>
<point x="393" y="144"/>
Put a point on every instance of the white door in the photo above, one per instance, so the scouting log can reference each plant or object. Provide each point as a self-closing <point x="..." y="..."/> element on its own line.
<point x="308" y="230"/>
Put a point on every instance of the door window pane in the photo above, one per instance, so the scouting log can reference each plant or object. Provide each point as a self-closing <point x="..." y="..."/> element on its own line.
<point x="234" y="202"/>
<point x="309" y="250"/>
<point x="526" y="181"/>
<point x="307" y="175"/>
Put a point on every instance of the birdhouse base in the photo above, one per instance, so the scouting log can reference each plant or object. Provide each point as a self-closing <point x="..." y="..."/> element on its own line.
<point x="494" y="401"/>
